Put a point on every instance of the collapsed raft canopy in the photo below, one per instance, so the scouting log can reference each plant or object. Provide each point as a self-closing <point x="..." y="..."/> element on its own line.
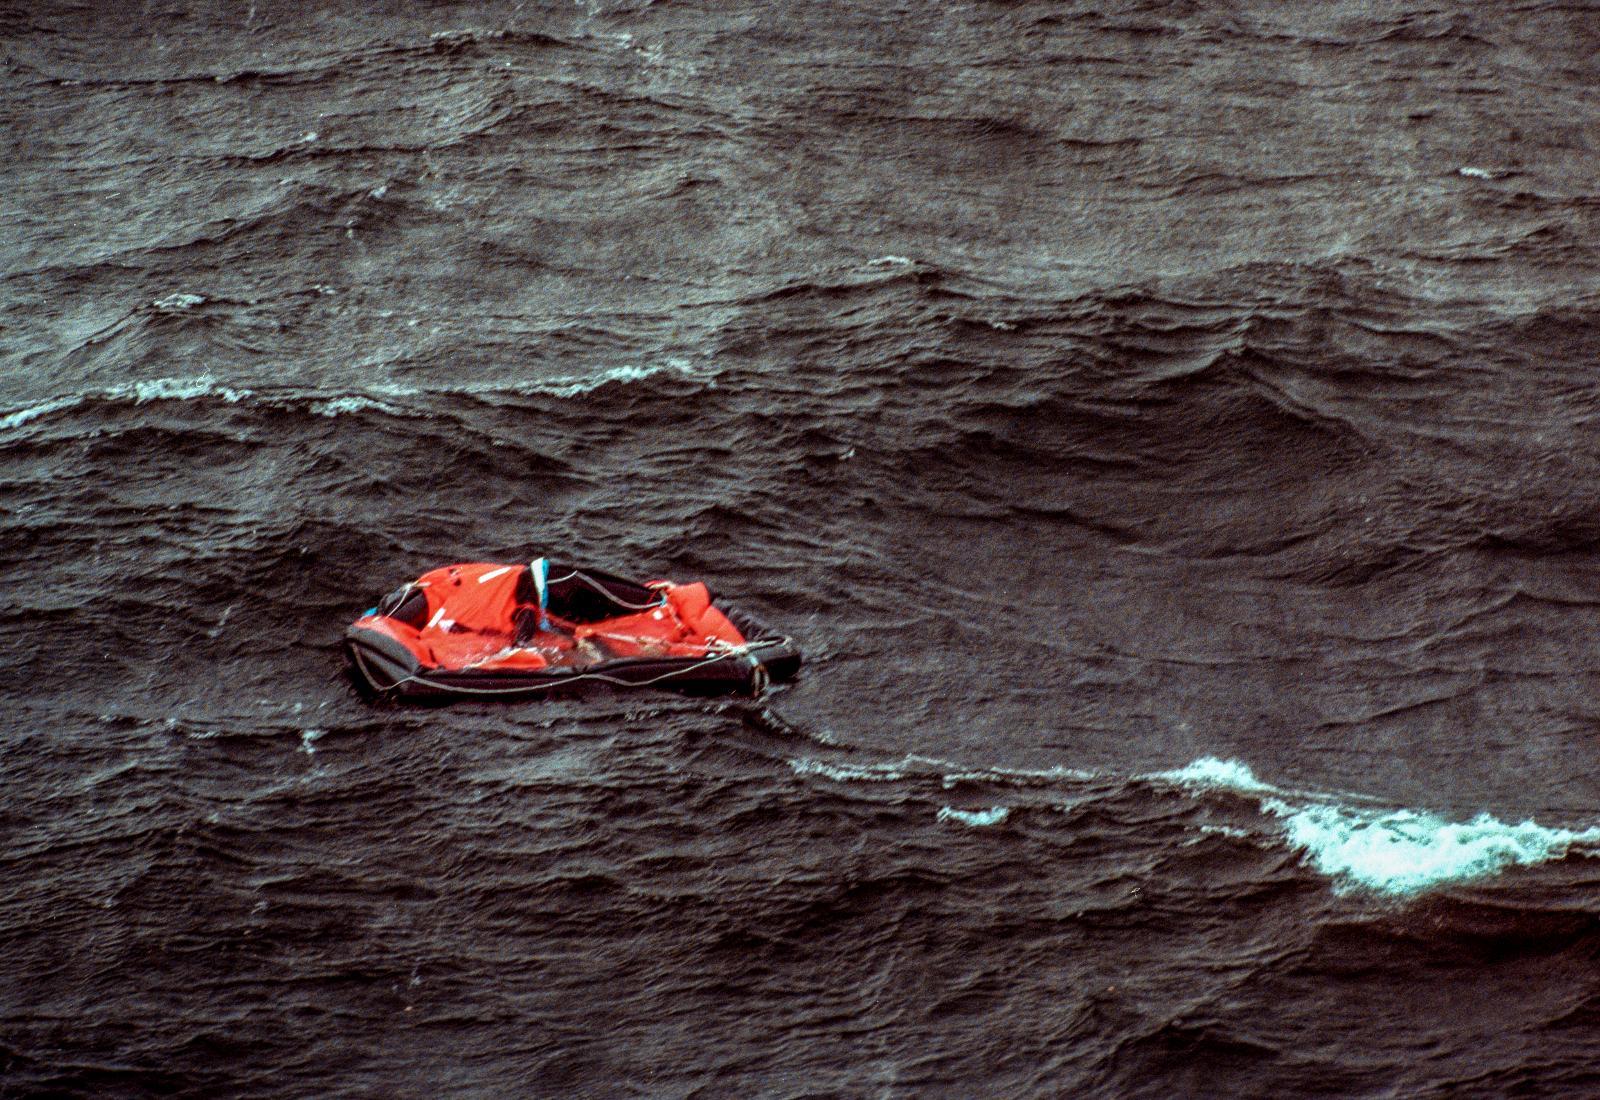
<point x="488" y="628"/>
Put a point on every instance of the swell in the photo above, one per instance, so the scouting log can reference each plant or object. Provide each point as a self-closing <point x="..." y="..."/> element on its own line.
<point x="1351" y="842"/>
<point x="1383" y="405"/>
<point x="1173" y="419"/>
<point x="204" y="396"/>
<point x="309" y="865"/>
<point x="310" y="64"/>
<point x="815" y="308"/>
<point x="118" y="541"/>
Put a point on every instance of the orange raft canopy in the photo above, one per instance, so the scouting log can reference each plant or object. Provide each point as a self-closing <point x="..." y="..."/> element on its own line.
<point x="484" y="629"/>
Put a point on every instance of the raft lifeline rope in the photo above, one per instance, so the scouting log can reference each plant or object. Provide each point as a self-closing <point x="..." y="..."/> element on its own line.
<point x="759" y="677"/>
<point x="539" y="569"/>
<point x="541" y="581"/>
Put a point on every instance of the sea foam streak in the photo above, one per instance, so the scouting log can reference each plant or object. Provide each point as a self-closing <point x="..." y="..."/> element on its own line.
<point x="16" y="418"/>
<point x="1395" y="852"/>
<point x="948" y="773"/>
<point x="1405" y="852"/>
<point x="386" y="398"/>
<point x="978" y="819"/>
<point x="1208" y="771"/>
<point x="1360" y="845"/>
<point x="139" y="393"/>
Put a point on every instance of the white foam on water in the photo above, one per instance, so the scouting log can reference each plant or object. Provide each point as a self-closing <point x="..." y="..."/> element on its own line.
<point x="1406" y="852"/>
<point x="573" y="386"/>
<point x="309" y="739"/>
<point x="561" y="386"/>
<point x="176" y="389"/>
<point x="947" y="773"/>
<point x="1210" y="773"/>
<point x="338" y="406"/>
<point x="1392" y="852"/>
<point x="153" y="389"/>
<point x="1358" y="844"/>
<point x="391" y="399"/>
<point x="1015" y="776"/>
<point x="18" y="417"/>
<point x="978" y="819"/>
<point x="850" y="773"/>
<point x="179" y="301"/>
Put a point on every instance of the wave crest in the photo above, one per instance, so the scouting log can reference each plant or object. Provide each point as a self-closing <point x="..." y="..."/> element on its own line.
<point x="393" y="399"/>
<point x="1395" y="853"/>
<point x="1405" y="852"/>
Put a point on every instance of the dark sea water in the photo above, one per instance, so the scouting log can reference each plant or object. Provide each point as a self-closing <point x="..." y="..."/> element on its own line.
<point x="1172" y="430"/>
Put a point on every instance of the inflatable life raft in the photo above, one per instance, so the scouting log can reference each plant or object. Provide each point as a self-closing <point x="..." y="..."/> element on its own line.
<point x="486" y="629"/>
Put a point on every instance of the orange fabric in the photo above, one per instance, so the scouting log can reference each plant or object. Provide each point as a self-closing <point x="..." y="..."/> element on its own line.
<point x="692" y="602"/>
<point x="689" y="600"/>
<point x="478" y="596"/>
<point x="646" y="634"/>
<point x="516" y="658"/>
<point x="470" y="609"/>
<point x="458" y="650"/>
<point x="471" y="622"/>
<point x="682" y="627"/>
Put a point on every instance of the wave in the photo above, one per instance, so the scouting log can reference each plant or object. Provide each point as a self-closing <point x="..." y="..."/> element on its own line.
<point x="1356" y="842"/>
<point x="1406" y="852"/>
<point x="947" y="773"/>
<point x="977" y="819"/>
<point x="1394" y="853"/>
<point x="18" y="417"/>
<point x="134" y="393"/>
<point x="394" y="399"/>
<point x="373" y="58"/>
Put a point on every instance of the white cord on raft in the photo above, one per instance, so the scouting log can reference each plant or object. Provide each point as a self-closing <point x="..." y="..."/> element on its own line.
<point x="759" y="675"/>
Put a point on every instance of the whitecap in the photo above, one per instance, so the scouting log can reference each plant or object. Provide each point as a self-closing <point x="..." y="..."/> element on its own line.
<point x="177" y="389"/>
<point x="559" y="386"/>
<point x="1016" y="777"/>
<point x="392" y="399"/>
<point x="18" y="417"/>
<point x="1357" y="844"/>
<point x="1392" y="852"/>
<point x="1406" y="852"/>
<point x="573" y="386"/>
<point x="1210" y="773"/>
<point x="850" y="773"/>
<point x="309" y="739"/>
<point x="179" y="301"/>
<point x="338" y="406"/>
<point x="978" y="819"/>
<point x="152" y="389"/>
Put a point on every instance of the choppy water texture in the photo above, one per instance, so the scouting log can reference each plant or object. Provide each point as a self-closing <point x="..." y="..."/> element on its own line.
<point x="1170" y="429"/>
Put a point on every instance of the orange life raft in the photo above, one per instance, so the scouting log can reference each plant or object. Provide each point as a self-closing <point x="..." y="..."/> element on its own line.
<point x="487" y="629"/>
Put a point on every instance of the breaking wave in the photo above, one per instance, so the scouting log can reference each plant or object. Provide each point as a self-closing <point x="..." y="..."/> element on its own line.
<point x="1352" y="840"/>
<point x="395" y="399"/>
<point x="1396" y="852"/>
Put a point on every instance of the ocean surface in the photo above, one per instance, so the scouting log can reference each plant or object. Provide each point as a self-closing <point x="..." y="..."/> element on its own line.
<point x="1171" y="430"/>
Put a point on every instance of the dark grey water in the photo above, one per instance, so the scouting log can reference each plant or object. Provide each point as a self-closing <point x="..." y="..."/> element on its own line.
<point x="1170" y="430"/>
